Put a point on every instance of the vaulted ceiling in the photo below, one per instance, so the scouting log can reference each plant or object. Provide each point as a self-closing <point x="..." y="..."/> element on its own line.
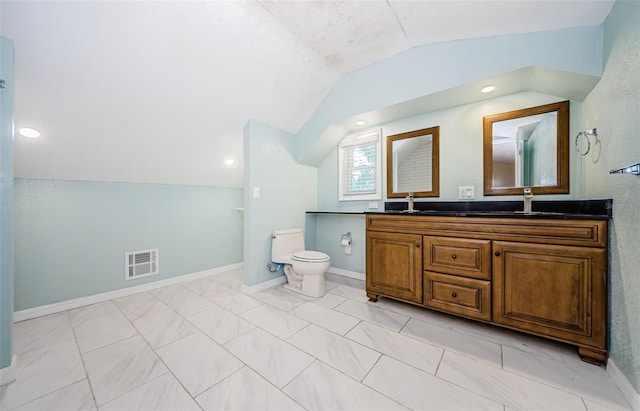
<point x="160" y="91"/>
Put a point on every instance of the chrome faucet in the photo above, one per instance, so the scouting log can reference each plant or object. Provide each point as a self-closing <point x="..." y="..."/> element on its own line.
<point x="528" y="196"/>
<point x="410" y="202"/>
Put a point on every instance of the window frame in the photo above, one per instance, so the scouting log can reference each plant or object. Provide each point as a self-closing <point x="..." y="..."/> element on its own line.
<point x="363" y="138"/>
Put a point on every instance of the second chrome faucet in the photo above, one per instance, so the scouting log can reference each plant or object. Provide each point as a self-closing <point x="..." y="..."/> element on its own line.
<point x="528" y="196"/>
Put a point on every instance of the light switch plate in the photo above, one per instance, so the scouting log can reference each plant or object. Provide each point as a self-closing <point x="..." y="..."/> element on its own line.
<point x="466" y="193"/>
<point x="256" y="192"/>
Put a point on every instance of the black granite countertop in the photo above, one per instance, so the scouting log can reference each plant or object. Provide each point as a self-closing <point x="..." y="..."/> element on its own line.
<point x="569" y="209"/>
<point x="581" y="209"/>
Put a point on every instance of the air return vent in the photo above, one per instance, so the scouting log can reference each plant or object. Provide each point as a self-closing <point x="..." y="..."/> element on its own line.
<point x="140" y="263"/>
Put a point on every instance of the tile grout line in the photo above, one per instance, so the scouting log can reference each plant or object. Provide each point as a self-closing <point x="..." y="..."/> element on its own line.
<point x="84" y="366"/>
<point x="168" y="370"/>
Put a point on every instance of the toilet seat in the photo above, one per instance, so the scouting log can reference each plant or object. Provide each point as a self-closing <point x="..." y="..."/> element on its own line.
<point x="309" y="257"/>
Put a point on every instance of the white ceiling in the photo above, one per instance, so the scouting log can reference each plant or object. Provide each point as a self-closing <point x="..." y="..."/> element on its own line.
<point x="160" y="91"/>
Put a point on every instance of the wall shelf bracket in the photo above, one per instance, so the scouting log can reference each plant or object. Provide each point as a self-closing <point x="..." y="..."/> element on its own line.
<point x="631" y="169"/>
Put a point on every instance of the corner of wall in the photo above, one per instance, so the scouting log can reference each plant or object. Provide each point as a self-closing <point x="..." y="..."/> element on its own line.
<point x="278" y="192"/>
<point x="6" y="203"/>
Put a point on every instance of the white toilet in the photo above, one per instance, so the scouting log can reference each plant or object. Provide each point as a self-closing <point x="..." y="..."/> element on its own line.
<point x="304" y="269"/>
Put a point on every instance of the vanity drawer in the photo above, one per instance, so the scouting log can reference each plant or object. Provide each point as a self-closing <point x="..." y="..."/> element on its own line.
<point x="460" y="256"/>
<point x="458" y="295"/>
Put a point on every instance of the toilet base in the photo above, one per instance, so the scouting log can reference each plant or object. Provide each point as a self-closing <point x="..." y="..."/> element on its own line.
<point x="312" y="286"/>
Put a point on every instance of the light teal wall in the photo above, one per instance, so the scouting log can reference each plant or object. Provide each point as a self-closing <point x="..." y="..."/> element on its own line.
<point x="427" y="69"/>
<point x="287" y="190"/>
<point x="6" y="202"/>
<point x="325" y="232"/>
<point x="613" y="107"/>
<point x="71" y="237"/>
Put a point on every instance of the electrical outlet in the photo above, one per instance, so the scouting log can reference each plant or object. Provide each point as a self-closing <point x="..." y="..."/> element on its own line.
<point x="373" y="206"/>
<point x="466" y="193"/>
<point x="256" y="192"/>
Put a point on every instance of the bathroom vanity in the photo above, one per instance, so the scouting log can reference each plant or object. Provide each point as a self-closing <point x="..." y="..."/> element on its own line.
<point x="543" y="273"/>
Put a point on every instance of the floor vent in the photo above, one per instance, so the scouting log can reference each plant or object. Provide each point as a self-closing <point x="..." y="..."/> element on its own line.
<point x="141" y="263"/>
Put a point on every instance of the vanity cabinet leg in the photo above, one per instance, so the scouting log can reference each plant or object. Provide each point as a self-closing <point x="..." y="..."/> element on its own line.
<point x="592" y="356"/>
<point x="372" y="297"/>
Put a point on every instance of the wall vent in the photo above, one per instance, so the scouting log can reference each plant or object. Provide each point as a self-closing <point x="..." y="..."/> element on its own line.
<point x="141" y="263"/>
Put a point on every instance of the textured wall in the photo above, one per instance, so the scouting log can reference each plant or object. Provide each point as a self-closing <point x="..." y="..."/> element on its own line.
<point x="70" y="237"/>
<point x="614" y="107"/>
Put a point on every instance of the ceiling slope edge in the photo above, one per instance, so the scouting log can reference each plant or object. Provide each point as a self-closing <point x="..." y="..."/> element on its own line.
<point x="563" y="84"/>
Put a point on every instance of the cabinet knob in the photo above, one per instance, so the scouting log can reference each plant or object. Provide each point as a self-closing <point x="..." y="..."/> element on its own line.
<point x="454" y="295"/>
<point x="453" y="256"/>
<point x="497" y="253"/>
<point x="418" y="245"/>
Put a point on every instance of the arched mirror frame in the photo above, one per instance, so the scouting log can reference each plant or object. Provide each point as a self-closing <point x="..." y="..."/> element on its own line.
<point x="562" y="150"/>
<point x="435" y="162"/>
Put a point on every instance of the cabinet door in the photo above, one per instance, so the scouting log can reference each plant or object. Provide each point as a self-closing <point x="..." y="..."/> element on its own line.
<point x="394" y="265"/>
<point x="553" y="290"/>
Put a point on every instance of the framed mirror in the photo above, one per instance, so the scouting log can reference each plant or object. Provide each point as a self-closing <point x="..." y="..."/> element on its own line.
<point x="527" y="148"/>
<point x="413" y="163"/>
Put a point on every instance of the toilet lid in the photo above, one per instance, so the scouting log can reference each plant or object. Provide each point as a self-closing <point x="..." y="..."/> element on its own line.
<point x="309" y="256"/>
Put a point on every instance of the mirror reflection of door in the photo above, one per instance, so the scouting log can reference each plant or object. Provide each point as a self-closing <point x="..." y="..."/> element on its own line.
<point x="524" y="151"/>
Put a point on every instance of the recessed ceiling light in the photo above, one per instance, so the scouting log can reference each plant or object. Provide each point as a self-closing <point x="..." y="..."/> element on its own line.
<point x="29" y="132"/>
<point x="360" y="123"/>
<point x="487" y="89"/>
<point x="229" y="161"/>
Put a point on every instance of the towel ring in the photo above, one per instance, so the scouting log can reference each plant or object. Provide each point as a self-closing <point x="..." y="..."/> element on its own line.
<point x="579" y="144"/>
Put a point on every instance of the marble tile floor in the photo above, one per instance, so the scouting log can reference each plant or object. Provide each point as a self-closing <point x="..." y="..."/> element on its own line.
<point x="204" y="345"/>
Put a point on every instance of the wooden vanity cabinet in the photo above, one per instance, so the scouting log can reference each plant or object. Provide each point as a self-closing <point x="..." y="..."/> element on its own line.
<point x="542" y="276"/>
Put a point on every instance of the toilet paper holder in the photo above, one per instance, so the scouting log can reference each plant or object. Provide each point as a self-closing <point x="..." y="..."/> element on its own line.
<point x="346" y="240"/>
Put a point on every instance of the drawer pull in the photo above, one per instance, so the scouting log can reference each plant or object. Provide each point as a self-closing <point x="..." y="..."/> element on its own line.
<point x="454" y="295"/>
<point x="453" y="256"/>
<point x="497" y="253"/>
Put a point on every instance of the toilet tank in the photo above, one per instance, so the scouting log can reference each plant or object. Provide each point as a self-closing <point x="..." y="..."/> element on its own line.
<point x="286" y="242"/>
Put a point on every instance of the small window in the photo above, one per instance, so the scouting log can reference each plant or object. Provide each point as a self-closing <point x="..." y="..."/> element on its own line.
<point x="359" y="167"/>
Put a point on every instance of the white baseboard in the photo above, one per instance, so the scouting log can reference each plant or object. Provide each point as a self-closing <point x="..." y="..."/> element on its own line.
<point x="282" y="279"/>
<point x="43" y="310"/>
<point x="8" y="374"/>
<point x="347" y="273"/>
<point x="628" y="392"/>
<point x="264" y="285"/>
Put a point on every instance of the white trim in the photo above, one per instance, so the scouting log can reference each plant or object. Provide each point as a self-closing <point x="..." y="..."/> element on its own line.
<point x="8" y="374"/>
<point x="347" y="273"/>
<point x="628" y="392"/>
<point x="263" y="285"/>
<point x="110" y="295"/>
<point x="282" y="279"/>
